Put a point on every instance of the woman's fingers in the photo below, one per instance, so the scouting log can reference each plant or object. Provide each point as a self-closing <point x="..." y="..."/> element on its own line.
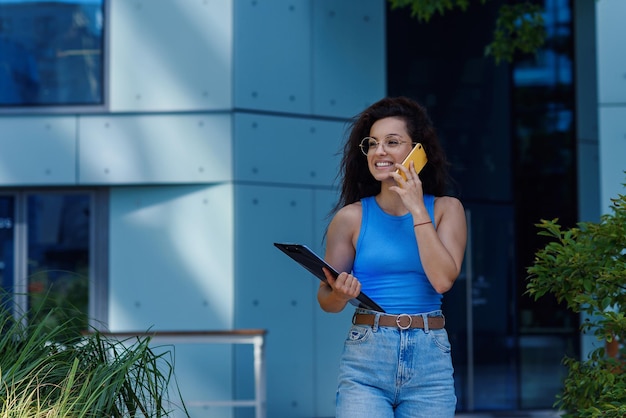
<point x="348" y="285"/>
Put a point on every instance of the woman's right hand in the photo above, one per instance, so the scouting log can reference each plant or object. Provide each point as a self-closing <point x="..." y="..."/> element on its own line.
<point x="333" y="294"/>
<point x="345" y="286"/>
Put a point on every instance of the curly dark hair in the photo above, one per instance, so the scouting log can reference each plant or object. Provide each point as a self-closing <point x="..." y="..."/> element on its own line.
<point x="356" y="180"/>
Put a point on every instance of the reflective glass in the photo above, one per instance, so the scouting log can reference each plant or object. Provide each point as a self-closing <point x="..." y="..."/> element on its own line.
<point x="7" y="245"/>
<point x="545" y="167"/>
<point x="51" y="52"/>
<point x="58" y="257"/>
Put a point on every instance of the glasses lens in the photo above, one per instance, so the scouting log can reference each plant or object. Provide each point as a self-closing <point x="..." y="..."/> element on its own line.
<point x="392" y="143"/>
<point x="365" y="145"/>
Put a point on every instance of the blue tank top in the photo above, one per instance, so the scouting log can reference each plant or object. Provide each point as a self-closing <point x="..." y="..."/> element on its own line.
<point x="387" y="261"/>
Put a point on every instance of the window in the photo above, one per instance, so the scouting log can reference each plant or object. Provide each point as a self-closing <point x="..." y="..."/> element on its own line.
<point x="7" y="243"/>
<point x="545" y="188"/>
<point x="51" y="53"/>
<point x="52" y="254"/>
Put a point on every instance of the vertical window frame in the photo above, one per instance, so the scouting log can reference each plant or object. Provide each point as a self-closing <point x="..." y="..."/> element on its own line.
<point x="98" y="251"/>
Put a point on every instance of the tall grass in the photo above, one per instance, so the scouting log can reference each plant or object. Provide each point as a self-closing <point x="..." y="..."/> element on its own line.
<point x="62" y="372"/>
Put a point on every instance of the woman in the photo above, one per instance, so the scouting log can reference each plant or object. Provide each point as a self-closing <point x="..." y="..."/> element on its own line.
<point x="401" y="242"/>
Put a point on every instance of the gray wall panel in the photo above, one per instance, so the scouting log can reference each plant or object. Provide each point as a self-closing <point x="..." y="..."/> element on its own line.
<point x="152" y="149"/>
<point x="274" y="293"/>
<point x="349" y="56"/>
<point x="611" y="34"/>
<point x="612" y="153"/>
<point x="611" y="57"/>
<point x="274" y="149"/>
<point x="273" y="55"/>
<point x="38" y="150"/>
<point x="170" y="55"/>
<point x="171" y="258"/>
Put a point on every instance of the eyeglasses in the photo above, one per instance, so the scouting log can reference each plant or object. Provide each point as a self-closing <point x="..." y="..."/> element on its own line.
<point x="389" y="144"/>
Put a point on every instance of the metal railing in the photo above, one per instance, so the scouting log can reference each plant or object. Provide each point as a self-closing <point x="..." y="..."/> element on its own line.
<point x="256" y="337"/>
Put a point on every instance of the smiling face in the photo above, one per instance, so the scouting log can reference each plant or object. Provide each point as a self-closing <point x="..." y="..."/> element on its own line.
<point x="381" y="160"/>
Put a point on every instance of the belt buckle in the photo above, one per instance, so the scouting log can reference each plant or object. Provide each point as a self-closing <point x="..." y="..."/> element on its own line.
<point x="398" y="319"/>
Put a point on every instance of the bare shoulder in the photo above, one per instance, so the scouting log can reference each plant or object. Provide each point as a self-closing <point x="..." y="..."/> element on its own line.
<point x="346" y="221"/>
<point x="448" y="206"/>
<point x="349" y="213"/>
<point x="448" y="203"/>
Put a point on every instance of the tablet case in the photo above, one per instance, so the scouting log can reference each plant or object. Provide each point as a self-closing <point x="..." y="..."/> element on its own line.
<point x="314" y="263"/>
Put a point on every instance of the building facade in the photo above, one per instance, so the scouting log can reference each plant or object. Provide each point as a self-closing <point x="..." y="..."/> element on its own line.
<point x="151" y="175"/>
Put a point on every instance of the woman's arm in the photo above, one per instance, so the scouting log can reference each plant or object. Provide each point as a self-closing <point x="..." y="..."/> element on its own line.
<point x="442" y="249"/>
<point x="340" y="250"/>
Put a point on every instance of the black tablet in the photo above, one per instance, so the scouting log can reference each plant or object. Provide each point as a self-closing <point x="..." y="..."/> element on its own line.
<point x="314" y="263"/>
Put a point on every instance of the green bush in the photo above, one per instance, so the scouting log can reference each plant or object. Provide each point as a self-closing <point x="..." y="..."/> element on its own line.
<point x="56" y="372"/>
<point x="585" y="267"/>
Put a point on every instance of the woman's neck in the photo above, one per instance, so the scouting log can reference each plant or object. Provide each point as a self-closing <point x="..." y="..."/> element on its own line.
<point x="390" y="202"/>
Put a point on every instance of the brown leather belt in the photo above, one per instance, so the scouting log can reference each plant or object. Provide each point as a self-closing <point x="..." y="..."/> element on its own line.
<point x="402" y="321"/>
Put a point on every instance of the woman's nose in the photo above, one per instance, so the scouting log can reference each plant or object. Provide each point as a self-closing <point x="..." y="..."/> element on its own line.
<point x="380" y="148"/>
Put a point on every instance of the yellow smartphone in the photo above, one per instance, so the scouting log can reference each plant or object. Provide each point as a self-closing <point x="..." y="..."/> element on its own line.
<point x="418" y="156"/>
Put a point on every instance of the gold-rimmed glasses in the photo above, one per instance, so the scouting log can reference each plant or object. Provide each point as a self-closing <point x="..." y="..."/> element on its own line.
<point x="389" y="144"/>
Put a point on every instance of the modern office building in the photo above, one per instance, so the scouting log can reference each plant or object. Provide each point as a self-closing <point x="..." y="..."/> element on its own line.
<point x="154" y="150"/>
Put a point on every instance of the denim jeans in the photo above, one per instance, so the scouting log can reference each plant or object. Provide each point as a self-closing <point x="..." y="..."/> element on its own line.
<point x="386" y="372"/>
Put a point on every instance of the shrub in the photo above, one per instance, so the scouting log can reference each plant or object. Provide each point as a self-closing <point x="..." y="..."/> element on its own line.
<point x="585" y="267"/>
<point x="59" y="372"/>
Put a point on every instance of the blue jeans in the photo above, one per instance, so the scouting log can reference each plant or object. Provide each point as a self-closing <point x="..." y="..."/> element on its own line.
<point x="386" y="372"/>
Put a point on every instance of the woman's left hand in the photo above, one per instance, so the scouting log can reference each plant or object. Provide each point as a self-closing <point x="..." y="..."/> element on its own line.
<point x="409" y="190"/>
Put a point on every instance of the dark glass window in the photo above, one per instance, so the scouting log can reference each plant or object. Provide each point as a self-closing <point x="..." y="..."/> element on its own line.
<point x="544" y="135"/>
<point x="51" y="53"/>
<point x="53" y="255"/>
<point x="58" y="256"/>
<point x="7" y="248"/>
<point x="545" y="188"/>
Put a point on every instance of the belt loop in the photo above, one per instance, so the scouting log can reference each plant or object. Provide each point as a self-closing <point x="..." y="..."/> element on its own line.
<point x="425" y="320"/>
<point x="375" y="325"/>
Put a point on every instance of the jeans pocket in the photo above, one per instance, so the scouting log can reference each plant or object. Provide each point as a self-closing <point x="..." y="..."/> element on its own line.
<point x="358" y="334"/>
<point x="440" y="338"/>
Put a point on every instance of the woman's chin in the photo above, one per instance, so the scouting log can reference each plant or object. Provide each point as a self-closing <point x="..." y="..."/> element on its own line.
<point x="385" y="177"/>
